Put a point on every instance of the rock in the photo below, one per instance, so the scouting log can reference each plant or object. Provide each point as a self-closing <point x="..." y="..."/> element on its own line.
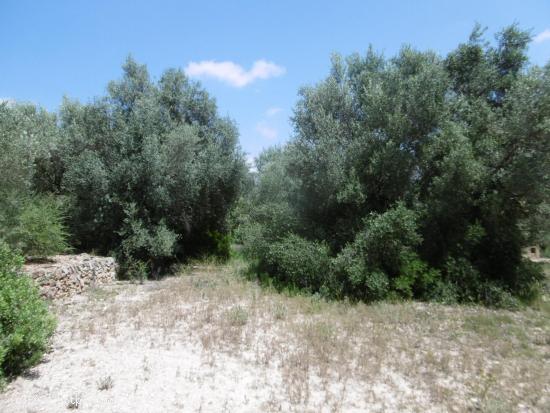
<point x="71" y="274"/>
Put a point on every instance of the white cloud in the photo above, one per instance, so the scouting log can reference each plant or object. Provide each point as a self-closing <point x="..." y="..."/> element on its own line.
<point x="542" y="36"/>
<point x="233" y="73"/>
<point x="266" y="131"/>
<point x="273" y="111"/>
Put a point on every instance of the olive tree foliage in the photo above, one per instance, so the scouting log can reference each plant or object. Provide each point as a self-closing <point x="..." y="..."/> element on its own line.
<point x="26" y="134"/>
<point x="420" y="173"/>
<point x="151" y="170"/>
<point x="30" y="221"/>
<point x="265" y="213"/>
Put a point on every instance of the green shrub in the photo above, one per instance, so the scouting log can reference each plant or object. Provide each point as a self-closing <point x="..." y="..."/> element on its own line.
<point x="461" y="272"/>
<point x="353" y="277"/>
<point x="528" y="286"/>
<point x="255" y="242"/>
<point x="369" y="267"/>
<point x="145" y="249"/>
<point x="40" y="230"/>
<point x="299" y="262"/>
<point x="472" y="286"/>
<point x="493" y="295"/>
<point x="416" y="279"/>
<point x="220" y="244"/>
<point x="387" y="236"/>
<point x="134" y="270"/>
<point x="25" y="322"/>
<point x="444" y="292"/>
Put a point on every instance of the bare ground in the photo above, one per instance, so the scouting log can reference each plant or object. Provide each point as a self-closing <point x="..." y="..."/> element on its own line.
<point x="209" y="341"/>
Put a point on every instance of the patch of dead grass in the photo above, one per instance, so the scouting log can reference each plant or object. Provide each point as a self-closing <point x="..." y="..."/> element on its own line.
<point x="314" y="355"/>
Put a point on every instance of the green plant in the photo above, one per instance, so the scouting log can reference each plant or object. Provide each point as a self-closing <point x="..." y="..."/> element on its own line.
<point x="280" y="311"/>
<point x="220" y="244"/>
<point x="354" y="278"/>
<point x="373" y="264"/>
<point x="27" y="133"/>
<point x="299" y="262"/>
<point x="424" y="175"/>
<point x="40" y="230"/>
<point x="152" y="170"/>
<point x="144" y="249"/>
<point x="134" y="270"/>
<point x="25" y="322"/>
<point x="496" y="296"/>
<point x="237" y="316"/>
<point x="416" y="279"/>
<point x="471" y="286"/>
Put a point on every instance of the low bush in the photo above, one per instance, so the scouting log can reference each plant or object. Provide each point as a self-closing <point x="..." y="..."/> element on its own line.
<point x="40" y="230"/>
<point x="145" y="249"/>
<point x="471" y="286"/>
<point x="416" y="278"/>
<point x="380" y="260"/>
<point x="25" y="322"/>
<point x="298" y="262"/>
<point x="133" y="270"/>
<point x="220" y="244"/>
<point x="354" y="278"/>
<point x="254" y="241"/>
<point x="33" y="224"/>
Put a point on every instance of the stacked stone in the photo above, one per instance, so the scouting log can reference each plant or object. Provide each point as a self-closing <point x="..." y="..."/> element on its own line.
<point x="67" y="275"/>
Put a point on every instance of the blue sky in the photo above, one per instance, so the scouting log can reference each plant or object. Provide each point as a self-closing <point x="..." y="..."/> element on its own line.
<point x="269" y="49"/>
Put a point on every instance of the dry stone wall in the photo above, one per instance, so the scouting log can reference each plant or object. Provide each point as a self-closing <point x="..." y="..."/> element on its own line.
<point x="66" y="275"/>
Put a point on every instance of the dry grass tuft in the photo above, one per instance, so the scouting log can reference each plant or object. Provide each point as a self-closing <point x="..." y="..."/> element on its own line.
<point x="74" y="402"/>
<point x="105" y="383"/>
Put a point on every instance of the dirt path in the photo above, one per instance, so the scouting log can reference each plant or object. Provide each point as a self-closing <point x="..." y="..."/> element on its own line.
<point x="209" y="342"/>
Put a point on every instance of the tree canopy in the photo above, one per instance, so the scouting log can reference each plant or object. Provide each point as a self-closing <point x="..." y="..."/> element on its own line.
<point x="148" y="172"/>
<point x="151" y="169"/>
<point x="419" y="173"/>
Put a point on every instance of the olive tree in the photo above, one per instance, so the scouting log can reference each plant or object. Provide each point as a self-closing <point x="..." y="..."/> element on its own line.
<point x="451" y="154"/>
<point x="151" y="170"/>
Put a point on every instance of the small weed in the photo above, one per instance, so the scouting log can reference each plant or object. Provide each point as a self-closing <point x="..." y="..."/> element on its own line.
<point x="74" y="402"/>
<point x="203" y="283"/>
<point x="146" y="369"/>
<point x="315" y="304"/>
<point x="279" y="311"/>
<point x="105" y="383"/>
<point x="237" y="316"/>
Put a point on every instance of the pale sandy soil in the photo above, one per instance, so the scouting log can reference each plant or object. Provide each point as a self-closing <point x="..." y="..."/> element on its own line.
<point x="207" y="341"/>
